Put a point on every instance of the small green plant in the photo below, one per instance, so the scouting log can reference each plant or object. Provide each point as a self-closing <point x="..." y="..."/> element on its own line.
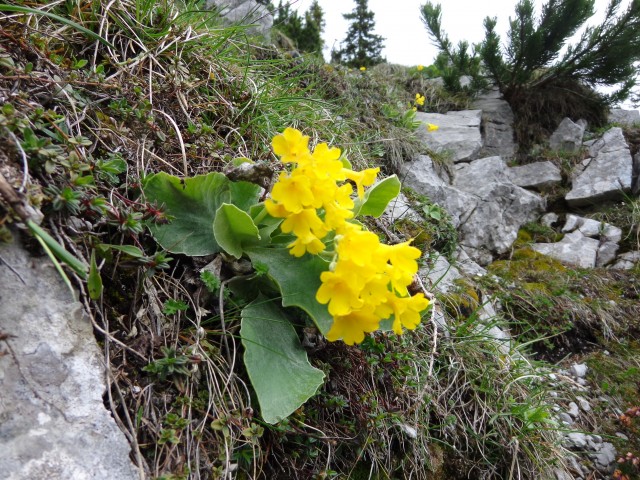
<point x="171" y="366"/>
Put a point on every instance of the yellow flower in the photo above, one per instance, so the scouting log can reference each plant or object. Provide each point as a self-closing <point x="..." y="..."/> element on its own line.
<point x="362" y="179"/>
<point x="419" y="99"/>
<point x="362" y="69"/>
<point x="352" y="327"/>
<point x="357" y="246"/>
<point x="293" y="192"/>
<point x="415" y="109"/>
<point x="326" y="161"/>
<point x="406" y="311"/>
<point x="291" y="146"/>
<point x="309" y="243"/>
<point x="276" y="210"/>
<point x="337" y="290"/>
<point x="420" y="68"/>
<point x="303" y="223"/>
<point x="431" y="127"/>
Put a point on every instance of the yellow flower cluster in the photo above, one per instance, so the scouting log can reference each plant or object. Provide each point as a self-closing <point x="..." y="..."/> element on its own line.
<point x="431" y="127"/>
<point x="419" y="99"/>
<point x="311" y="198"/>
<point x="420" y="68"/>
<point x="367" y="281"/>
<point x="363" y="69"/>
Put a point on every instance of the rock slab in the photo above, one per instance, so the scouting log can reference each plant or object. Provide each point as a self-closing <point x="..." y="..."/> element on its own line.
<point x="53" y="422"/>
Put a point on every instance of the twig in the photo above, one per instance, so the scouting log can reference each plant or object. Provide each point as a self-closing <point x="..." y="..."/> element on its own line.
<point x="179" y="135"/>
<point x="25" y="165"/>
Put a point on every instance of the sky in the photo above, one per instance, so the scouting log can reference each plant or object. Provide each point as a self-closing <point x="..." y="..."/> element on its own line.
<point x="406" y="39"/>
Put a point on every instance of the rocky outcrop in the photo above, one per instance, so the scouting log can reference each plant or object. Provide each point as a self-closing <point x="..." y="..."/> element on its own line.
<point x="624" y="117"/>
<point x="488" y="213"/>
<point x="458" y="134"/>
<point x="604" y="176"/>
<point x="53" y="422"/>
<point x="497" y="125"/>
<point x="568" y="136"/>
<point x="244" y="12"/>
<point x="541" y="176"/>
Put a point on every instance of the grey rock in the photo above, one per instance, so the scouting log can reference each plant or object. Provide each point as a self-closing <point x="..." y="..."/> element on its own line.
<point x="622" y="436"/>
<point x="494" y="223"/>
<point x="574" y="411"/>
<point x="467" y="266"/>
<point x="606" y="253"/>
<point x="605" y="457"/>
<point x="592" y="228"/>
<point x="399" y="208"/>
<point x="439" y="273"/>
<point x="607" y="176"/>
<point x="538" y="175"/>
<point x="53" y="423"/>
<point x="458" y="133"/>
<point x="627" y="261"/>
<point x="548" y="219"/>
<point x="573" y="249"/>
<point x="244" y="12"/>
<point x="578" y="370"/>
<point x="497" y="125"/>
<point x="422" y="176"/>
<point x="566" y="418"/>
<point x="489" y="169"/>
<point x="624" y="117"/>
<point x="568" y="136"/>
<point x="584" y="405"/>
<point x="576" y="440"/>
<point x="635" y="177"/>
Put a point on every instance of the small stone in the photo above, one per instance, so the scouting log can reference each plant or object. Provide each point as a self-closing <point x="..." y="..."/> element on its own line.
<point x="604" y="457"/>
<point x="553" y="377"/>
<point x="576" y="440"/>
<point x="573" y="409"/>
<point x="622" y="436"/>
<point x="565" y="418"/>
<point x="581" y="381"/>
<point x="553" y="394"/>
<point x="583" y="404"/>
<point x="578" y="370"/>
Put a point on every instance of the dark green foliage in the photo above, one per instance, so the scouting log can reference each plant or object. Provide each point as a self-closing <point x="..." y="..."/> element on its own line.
<point x="304" y="31"/>
<point x="534" y="73"/>
<point x="452" y="62"/>
<point x="362" y="47"/>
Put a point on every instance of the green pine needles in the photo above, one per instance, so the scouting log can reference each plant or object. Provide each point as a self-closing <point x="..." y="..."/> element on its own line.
<point x="542" y="77"/>
<point x="361" y="47"/>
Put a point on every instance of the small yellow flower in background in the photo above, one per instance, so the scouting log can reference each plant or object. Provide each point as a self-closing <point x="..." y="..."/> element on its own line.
<point x="420" y="68"/>
<point x="419" y="99"/>
<point x="431" y="127"/>
<point x="362" y="69"/>
<point x="415" y="109"/>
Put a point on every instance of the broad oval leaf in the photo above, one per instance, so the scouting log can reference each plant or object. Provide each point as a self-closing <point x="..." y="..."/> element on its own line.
<point x="378" y="196"/>
<point x="192" y="204"/>
<point x="298" y="280"/>
<point x="276" y="363"/>
<point x="233" y="228"/>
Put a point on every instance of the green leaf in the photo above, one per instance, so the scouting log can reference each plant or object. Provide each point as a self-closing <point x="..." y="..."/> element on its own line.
<point x="94" y="281"/>
<point x="193" y="203"/>
<point x="130" y="250"/>
<point x="276" y="362"/>
<point x="377" y="198"/>
<point x="232" y="228"/>
<point x="298" y="280"/>
<point x="66" y="21"/>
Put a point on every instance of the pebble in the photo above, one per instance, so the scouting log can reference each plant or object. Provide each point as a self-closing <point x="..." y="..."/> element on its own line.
<point x="622" y="436"/>
<point x="565" y="418"/>
<point x="584" y="405"/>
<point x="578" y="370"/>
<point x="573" y="409"/>
<point x="577" y="440"/>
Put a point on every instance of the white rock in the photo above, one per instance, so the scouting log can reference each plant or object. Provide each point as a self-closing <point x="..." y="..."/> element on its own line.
<point x="578" y="370"/>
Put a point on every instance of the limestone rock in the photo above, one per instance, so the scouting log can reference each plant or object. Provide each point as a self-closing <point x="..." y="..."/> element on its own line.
<point x="607" y="175"/>
<point x="497" y="125"/>
<point x="538" y="175"/>
<point x="244" y="12"/>
<point x="439" y="273"/>
<point x="458" y="133"/>
<point x="422" y="176"/>
<point x="53" y="423"/>
<point x="568" y="136"/>
<point x="627" y="260"/>
<point x="399" y="209"/>
<point x="573" y="249"/>
<point x="624" y="117"/>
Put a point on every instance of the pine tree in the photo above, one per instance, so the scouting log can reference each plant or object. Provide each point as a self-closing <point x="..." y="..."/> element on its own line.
<point x="305" y="32"/>
<point x="362" y="48"/>
<point x="541" y="79"/>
